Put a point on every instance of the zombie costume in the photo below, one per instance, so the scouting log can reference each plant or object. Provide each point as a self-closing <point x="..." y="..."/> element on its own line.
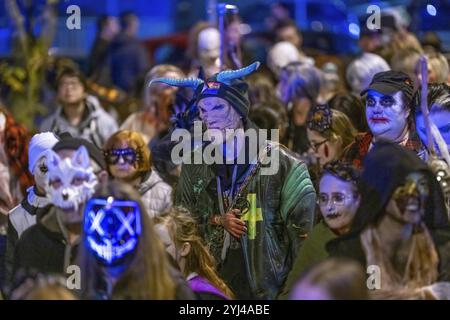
<point x="278" y="209"/>
<point x="385" y="169"/>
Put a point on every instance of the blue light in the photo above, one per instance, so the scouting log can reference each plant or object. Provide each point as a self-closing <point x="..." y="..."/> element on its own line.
<point x="431" y="10"/>
<point x="354" y="30"/>
<point x="112" y="228"/>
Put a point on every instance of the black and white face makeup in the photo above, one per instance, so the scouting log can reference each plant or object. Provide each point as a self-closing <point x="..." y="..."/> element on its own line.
<point x="387" y="116"/>
<point x="216" y="113"/>
<point x="441" y="118"/>
<point x="408" y="201"/>
<point x="338" y="202"/>
<point x="40" y="173"/>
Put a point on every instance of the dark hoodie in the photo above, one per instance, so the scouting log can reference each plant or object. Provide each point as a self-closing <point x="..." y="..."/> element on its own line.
<point x="385" y="168"/>
<point x="44" y="247"/>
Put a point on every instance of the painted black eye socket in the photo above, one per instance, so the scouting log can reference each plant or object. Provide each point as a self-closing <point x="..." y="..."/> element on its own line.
<point x="43" y="168"/>
<point x="370" y="102"/>
<point x="387" y="101"/>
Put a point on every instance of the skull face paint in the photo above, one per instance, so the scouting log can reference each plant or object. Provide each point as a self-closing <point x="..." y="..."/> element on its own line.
<point x="338" y="202"/>
<point x="71" y="181"/>
<point x="217" y="113"/>
<point x="112" y="229"/>
<point x="40" y="173"/>
<point x="408" y="200"/>
<point x="386" y="116"/>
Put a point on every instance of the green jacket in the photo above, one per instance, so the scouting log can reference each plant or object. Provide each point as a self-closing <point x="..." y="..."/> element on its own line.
<point x="281" y="214"/>
<point x="313" y="251"/>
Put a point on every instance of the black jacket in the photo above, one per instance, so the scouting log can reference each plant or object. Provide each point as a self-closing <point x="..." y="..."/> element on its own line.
<point x="44" y="248"/>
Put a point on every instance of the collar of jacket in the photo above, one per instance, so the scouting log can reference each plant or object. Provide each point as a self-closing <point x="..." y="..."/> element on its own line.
<point x="34" y="200"/>
<point x="150" y="179"/>
<point x="54" y="228"/>
<point x="92" y="106"/>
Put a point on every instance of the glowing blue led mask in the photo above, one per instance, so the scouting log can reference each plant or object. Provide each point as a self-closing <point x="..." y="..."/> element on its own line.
<point x="112" y="228"/>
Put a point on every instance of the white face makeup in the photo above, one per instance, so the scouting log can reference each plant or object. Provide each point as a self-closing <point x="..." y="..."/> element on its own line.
<point x="217" y="113"/>
<point x="441" y="119"/>
<point x="337" y="202"/>
<point x="209" y="45"/>
<point x="40" y="173"/>
<point x="386" y="116"/>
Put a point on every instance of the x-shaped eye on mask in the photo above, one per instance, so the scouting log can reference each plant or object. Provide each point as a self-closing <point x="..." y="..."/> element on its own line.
<point x="112" y="228"/>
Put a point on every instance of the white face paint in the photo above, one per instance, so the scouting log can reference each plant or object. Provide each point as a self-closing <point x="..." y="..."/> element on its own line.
<point x="71" y="181"/>
<point x="338" y="203"/>
<point x="40" y="172"/>
<point x="441" y="119"/>
<point x="209" y="45"/>
<point x="216" y="113"/>
<point x="386" y="116"/>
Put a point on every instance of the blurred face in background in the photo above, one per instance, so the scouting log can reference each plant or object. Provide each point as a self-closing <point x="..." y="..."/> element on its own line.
<point x="70" y="90"/>
<point x="300" y="109"/>
<point x="111" y="28"/>
<point x="290" y="34"/>
<point x="233" y="33"/>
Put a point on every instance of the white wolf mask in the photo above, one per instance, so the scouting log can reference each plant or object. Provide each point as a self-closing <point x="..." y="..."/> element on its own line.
<point x="71" y="182"/>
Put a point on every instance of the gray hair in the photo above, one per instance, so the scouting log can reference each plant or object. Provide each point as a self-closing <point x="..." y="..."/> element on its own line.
<point x="304" y="81"/>
<point x="361" y="71"/>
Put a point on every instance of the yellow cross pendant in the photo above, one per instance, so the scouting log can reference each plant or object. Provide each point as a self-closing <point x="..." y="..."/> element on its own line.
<point x="253" y="215"/>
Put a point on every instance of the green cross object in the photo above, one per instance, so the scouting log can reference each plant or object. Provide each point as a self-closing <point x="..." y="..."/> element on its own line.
<point x="253" y="215"/>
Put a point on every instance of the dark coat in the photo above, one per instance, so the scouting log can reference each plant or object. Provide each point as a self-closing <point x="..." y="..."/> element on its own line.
<point x="43" y="248"/>
<point x="282" y="209"/>
<point x="385" y="168"/>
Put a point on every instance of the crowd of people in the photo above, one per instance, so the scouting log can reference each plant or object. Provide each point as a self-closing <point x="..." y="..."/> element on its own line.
<point x="361" y="188"/>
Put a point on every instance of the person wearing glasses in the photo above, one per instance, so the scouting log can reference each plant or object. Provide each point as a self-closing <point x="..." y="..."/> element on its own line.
<point x="128" y="160"/>
<point x="329" y="133"/>
<point x="338" y="200"/>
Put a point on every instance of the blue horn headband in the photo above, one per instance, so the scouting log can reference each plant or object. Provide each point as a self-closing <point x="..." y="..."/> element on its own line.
<point x="224" y="77"/>
<point x="185" y="82"/>
<point x="229" y="75"/>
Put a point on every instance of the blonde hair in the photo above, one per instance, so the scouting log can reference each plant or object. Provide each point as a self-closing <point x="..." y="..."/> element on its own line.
<point x="341" y="130"/>
<point x="183" y="228"/>
<point x="157" y="71"/>
<point x="438" y="63"/>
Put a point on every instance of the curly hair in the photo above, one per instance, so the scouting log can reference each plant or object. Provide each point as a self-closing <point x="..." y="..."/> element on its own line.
<point x="135" y="141"/>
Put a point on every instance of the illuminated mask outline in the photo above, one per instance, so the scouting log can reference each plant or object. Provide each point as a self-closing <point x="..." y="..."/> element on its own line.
<point x="112" y="228"/>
